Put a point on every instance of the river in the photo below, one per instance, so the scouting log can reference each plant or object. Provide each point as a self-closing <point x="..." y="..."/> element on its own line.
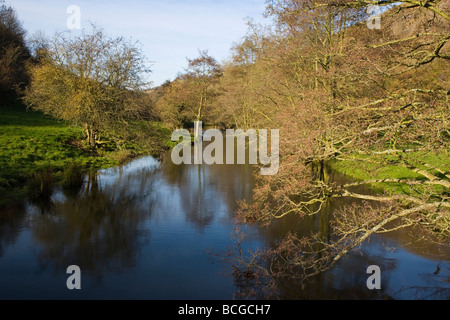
<point x="145" y="230"/>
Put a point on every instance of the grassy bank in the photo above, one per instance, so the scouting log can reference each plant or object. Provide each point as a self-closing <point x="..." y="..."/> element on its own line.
<point x="362" y="170"/>
<point x="32" y="143"/>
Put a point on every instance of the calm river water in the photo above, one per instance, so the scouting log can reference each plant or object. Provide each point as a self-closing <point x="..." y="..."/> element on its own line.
<point x="143" y="231"/>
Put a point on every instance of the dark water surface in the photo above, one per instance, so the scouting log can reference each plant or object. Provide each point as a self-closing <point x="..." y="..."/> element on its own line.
<point x="143" y="230"/>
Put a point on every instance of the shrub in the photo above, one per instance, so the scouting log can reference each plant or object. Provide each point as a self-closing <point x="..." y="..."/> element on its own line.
<point x="72" y="176"/>
<point x="41" y="184"/>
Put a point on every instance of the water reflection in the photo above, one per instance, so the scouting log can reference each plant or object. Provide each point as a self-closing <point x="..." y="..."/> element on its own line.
<point x="97" y="229"/>
<point x="408" y="265"/>
<point x="208" y="191"/>
<point x="140" y="231"/>
<point x="11" y="223"/>
<point x="123" y="220"/>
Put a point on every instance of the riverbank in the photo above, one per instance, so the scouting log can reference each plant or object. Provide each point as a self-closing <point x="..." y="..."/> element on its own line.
<point x="33" y="145"/>
<point x="363" y="169"/>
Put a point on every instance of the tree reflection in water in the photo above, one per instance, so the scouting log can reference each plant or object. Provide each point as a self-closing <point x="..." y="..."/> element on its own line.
<point x="100" y="228"/>
<point x="105" y="229"/>
<point x="11" y="222"/>
<point x="271" y="271"/>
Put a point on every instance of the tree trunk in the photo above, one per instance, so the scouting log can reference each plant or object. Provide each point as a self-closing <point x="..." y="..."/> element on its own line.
<point x="90" y="137"/>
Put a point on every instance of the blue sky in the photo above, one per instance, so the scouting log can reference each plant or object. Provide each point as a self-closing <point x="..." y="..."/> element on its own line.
<point x="169" y="31"/>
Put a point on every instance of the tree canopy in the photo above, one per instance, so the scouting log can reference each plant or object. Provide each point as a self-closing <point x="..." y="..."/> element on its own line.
<point x="90" y="80"/>
<point x="374" y="102"/>
<point x="13" y="54"/>
<point x="191" y="97"/>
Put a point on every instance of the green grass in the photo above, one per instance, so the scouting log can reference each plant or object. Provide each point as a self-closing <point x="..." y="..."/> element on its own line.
<point x="31" y="142"/>
<point x="361" y="170"/>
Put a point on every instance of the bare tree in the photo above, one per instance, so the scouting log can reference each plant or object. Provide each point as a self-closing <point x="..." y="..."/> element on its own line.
<point x="202" y="71"/>
<point x="373" y="99"/>
<point x="91" y="80"/>
<point x="190" y="97"/>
